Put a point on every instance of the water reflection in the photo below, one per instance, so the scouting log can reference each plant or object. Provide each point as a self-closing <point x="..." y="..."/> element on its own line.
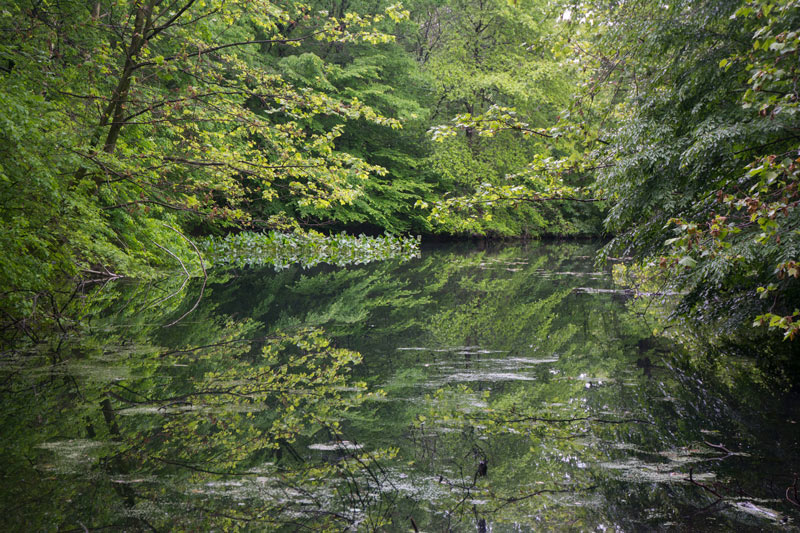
<point x="508" y="389"/>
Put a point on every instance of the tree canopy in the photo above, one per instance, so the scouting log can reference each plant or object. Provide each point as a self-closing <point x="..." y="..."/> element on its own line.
<point x="132" y="128"/>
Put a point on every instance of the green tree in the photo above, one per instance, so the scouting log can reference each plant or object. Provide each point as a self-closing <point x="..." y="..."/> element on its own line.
<point x="386" y="78"/>
<point x="121" y="118"/>
<point x="702" y="141"/>
<point x="501" y="82"/>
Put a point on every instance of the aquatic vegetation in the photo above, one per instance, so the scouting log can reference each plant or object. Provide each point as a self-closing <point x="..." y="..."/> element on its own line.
<point x="281" y="250"/>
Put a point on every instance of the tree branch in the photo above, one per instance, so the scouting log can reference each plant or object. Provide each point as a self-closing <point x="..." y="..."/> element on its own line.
<point x="228" y="45"/>
<point x="169" y="22"/>
<point x="205" y="277"/>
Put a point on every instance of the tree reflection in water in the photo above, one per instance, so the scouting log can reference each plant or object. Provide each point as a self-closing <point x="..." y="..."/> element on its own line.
<point x="466" y="390"/>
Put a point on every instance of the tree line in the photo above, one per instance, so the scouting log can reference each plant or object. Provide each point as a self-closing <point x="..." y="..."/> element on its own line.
<point x="131" y="127"/>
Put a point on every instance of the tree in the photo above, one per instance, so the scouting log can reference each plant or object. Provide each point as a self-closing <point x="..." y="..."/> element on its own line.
<point x="703" y="139"/>
<point x="388" y="79"/>
<point x="502" y="82"/>
<point x="122" y="117"/>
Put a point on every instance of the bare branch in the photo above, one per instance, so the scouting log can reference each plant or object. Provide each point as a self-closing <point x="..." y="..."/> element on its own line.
<point x="169" y="22"/>
<point x="205" y="277"/>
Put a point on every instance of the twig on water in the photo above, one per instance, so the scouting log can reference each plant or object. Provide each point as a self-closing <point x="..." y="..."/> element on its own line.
<point x="702" y="486"/>
<point x="205" y="277"/>
<point x="793" y="489"/>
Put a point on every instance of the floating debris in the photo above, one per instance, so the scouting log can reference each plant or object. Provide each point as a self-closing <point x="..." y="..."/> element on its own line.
<point x="335" y="446"/>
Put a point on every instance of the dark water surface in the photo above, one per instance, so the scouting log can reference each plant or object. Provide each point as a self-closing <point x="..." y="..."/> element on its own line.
<point x="508" y="389"/>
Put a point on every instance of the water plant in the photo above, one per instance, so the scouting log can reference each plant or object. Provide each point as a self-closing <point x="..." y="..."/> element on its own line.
<point x="281" y="250"/>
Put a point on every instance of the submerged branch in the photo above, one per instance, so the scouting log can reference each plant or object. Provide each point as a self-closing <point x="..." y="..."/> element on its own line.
<point x="791" y="493"/>
<point x="514" y="499"/>
<point x="702" y="486"/>
<point x="205" y="277"/>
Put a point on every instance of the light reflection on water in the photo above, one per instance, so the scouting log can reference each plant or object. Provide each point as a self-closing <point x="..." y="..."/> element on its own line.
<point x="515" y="389"/>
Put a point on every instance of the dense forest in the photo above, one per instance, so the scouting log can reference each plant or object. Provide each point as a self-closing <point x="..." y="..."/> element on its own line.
<point x="130" y="128"/>
<point x="172" y="142"/>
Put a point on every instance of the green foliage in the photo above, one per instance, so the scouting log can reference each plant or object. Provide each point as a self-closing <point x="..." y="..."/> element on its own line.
<point x="502" y="81"/>
<point x="388" y="79"/>
<point x="308" y="249"/>
<point x="239" y="412"/>
<point x="124" y="120"/>
<point x="255" y="413"/>
<point x="702" y="149"/>
<point x="173" y="428"/>
<point x="127" y="123"/>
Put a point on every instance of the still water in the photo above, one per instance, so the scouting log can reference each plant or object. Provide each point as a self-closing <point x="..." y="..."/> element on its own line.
<point x="514" y="388"/>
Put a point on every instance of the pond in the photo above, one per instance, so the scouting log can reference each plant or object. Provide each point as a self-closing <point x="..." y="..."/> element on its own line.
<point x="509" y="388"/>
